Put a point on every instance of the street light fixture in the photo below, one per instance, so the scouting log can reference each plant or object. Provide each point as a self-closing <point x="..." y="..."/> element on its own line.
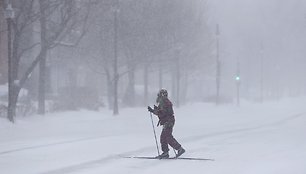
<point x="9" y="12"/>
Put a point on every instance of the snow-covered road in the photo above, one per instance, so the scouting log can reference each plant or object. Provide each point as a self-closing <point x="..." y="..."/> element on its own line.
<point x="251" y="139"/>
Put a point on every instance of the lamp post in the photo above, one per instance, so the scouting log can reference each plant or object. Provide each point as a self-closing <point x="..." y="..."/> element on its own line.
<point x="218" y="68"/>
<point x="9" y="15"/>
<point x="116" y="75"/>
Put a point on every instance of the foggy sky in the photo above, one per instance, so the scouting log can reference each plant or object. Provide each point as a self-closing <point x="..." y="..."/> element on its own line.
<point x="273" y="29"/>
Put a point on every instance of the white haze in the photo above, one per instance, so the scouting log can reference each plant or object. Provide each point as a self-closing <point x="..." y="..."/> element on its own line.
<point x="263" y="40"/>
<point x="274" y="30"/>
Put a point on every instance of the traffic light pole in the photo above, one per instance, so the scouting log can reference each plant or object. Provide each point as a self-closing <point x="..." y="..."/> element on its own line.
<point x="238" y="93"/>
<point x="238" y="84"/>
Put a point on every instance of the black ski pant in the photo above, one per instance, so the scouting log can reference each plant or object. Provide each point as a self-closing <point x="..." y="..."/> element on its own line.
<point x="166" y="137"/>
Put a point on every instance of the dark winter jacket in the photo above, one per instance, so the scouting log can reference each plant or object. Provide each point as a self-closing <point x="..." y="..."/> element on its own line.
<point x="164" y="111"/>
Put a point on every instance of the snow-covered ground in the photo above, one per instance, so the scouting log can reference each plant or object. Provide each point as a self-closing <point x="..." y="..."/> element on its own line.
<point x="251" y="139"/>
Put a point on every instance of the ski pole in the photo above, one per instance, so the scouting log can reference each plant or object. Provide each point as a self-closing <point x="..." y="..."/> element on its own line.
<point x="154" y="134"/>
<point x="174" y="152"/>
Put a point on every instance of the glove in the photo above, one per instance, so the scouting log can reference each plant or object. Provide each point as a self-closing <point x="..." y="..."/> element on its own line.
<point x="150" y="109"/>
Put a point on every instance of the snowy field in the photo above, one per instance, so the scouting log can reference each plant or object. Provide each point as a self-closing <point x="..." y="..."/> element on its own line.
<point x="265" y="138"/>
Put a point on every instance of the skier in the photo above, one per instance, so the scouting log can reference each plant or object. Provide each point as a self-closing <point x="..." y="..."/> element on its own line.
<point x="165" y="113"/>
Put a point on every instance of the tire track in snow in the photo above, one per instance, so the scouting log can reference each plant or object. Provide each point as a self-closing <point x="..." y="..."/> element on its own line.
<point x="50" y="144"/>
<point x="239" y="130"/>
<point x="81" y="166"/>
<point x="100" y="162"/>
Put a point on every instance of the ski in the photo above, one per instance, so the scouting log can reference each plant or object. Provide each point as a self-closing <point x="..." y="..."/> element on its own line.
<point x="171" y="158"/>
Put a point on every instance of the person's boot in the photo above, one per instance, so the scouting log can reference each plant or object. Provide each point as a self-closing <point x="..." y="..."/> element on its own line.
<point x="180" y="152"/>
<point x="163" y="155"/>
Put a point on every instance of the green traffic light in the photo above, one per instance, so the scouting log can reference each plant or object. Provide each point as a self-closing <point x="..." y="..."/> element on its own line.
<point x="237" y="78"/>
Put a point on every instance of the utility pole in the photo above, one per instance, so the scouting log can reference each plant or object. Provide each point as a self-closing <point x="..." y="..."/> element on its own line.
<point x="218" y="64"/>
<point x="238" y="83"/>
<point x="9" y="15"/>
<point x="261" y="73"/>
<point x="116" y="76"/>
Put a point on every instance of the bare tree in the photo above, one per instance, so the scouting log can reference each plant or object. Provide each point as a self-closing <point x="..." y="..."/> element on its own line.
<point x="27" y="16"/>
<point x="132" y="36"/>
<point x="59" y="27"/>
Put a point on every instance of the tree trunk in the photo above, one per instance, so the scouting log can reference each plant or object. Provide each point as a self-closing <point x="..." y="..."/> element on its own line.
<point x="160" y="75"/>
<point x="42" y="63"/>
<point x="185" y="85"/>
<point x="178" y="78"/>
<point x="116" y="76"/>
<point x="129" y="97"/>
<point x="109" y="90"/>
<point x="145" y="78"/>
<point x="42" y="86"/>
<point x="13" y="64"/>
<point x="173" y="84"/>
<point x="11" y="111"/>
<point x="116" y="108"/>
<point x="12" y="106"/>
